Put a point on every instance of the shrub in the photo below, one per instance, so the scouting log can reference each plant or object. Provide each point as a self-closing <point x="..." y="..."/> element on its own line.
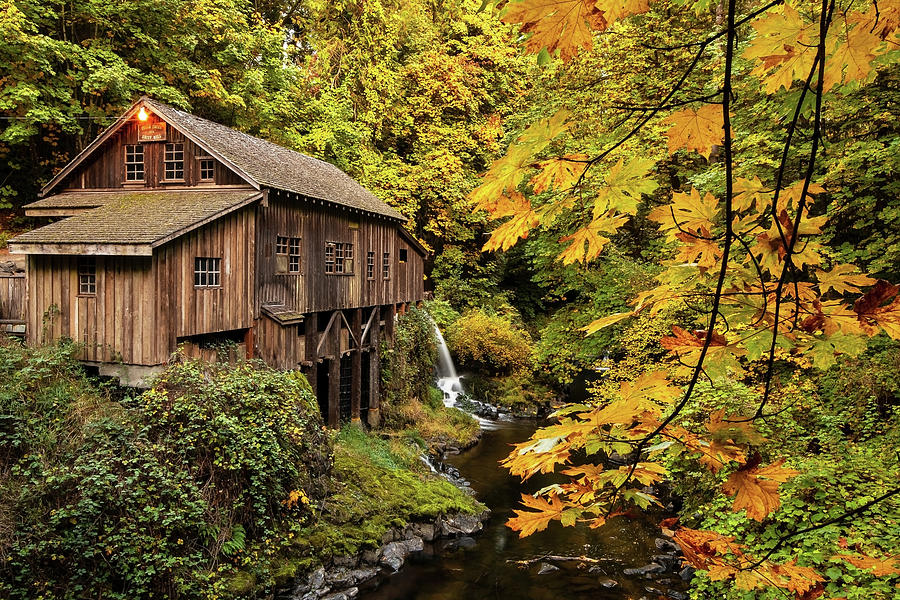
<point x="145" y="497"/>
<point x="490" y="344"/>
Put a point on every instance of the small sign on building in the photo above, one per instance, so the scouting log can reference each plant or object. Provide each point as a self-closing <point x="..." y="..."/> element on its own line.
<point x="152" y="132"/>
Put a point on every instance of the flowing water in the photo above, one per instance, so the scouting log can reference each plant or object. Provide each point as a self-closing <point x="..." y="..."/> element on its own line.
<point x="484" y="567"/>
<point x="447" y="379"/>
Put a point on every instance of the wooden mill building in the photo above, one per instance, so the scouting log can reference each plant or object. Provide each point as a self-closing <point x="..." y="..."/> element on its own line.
<point x="173" y="230"/>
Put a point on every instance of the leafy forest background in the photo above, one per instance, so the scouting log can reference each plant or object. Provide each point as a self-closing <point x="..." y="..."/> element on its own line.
<point x="418" y="99"/>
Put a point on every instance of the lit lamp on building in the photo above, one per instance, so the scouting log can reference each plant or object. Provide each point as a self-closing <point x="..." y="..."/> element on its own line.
<point x="142" y="114"/>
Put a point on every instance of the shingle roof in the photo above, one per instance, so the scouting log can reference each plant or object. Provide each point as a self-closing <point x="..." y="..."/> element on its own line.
<point x="132" y="218"/>
<point x="274" y="166"/>
<point x="74" y="200"/>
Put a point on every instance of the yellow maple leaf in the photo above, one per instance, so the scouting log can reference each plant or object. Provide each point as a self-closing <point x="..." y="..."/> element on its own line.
<point x="698" y="130"/>
<point x="841" y="279"/>
<point x="523" y="220"/>
<point x="614" y="10"/>
<point x="751" y="193"/>
<point x="688" y="212"/>
<point x="527" y="521"/>
<point x="587" y="243"/>
<point x="505" y="174"/>
<point x="756" y="488"/>
<point x="623" y="187"/>
<point x="606" y="321"/>
<point x="785" y="46"/>
<point x="851" y="56"/>
<point x="558" y="173"/>
<point x="564" y="25"/>
<point x="699" y="250"/>
<point x="654" y="386"/>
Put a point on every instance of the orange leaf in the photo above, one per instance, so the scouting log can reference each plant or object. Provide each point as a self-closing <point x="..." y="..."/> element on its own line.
<point x="880" y="307"/>
<point x="527" y="522"/>
<point x="563" y="25"/>
<point x="698" y="130"/>
<point x="880" y="567"/>
<point x="558" y="173"/>
<point x="756" y="488"/>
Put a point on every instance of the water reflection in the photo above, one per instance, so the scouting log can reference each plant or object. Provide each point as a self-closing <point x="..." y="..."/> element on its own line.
<point x="458" y="570"/>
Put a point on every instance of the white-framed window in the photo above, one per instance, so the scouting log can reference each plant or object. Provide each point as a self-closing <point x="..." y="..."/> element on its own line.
<point x="174" y="162"/>
<point x="87" y="276"/>
<point x="134" y="162"/>
<point x="207" y="272"/>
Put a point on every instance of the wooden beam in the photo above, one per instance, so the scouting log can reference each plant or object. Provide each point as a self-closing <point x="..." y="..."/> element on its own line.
<point x="362" y="337"/>
<point x="334" y="392"/>
<point x="350" y="328"/>
<point x="324" y="338"/>
<point x="356" y="370"/>
<point x="374" y="415"/>
<point x="312" y="340"/>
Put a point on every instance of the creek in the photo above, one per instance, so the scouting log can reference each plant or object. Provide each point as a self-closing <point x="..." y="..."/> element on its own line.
<point x="485" y="567"/>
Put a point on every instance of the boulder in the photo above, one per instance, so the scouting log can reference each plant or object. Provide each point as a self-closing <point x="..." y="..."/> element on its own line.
<point x="666" y="545"/>
<point x="393" y="555"/>
<point x="650" y="569"/>
<point x="457" y="525"/>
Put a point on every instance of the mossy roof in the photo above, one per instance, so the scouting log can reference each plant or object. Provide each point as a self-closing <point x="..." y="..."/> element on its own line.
<point x="135" y="217"/>
<point x="275" y="166"/>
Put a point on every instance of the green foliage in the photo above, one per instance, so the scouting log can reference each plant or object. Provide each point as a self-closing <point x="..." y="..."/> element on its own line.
<point x="144" y="497"/>
<point x="490" y="343"/>
<point x="406" y="368"/>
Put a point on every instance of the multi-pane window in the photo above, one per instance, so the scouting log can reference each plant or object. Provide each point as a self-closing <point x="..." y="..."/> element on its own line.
<point x="87" y="276"/>
<point x="174" y="162"/>
<point x="338" y="257"/>
<point x="370" y="265"/>
<point x="386" y="265"/>
<point x="207" y="169"/>
<point x="207" y="272"/>
<point x="288" y="247"/>
<point x="134" y="162"/>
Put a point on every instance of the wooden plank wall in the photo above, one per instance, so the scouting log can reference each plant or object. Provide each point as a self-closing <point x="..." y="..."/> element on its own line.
<point x="105" y="169"/>
<point x="313" y="290"/>
<point x="117" y="324"/>
<point x="182" y="309"/>
<point x="12" y="298"/>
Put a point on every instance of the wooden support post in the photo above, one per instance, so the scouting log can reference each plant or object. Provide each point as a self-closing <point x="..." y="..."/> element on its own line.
<point x="312" y="342"/>
<point x="389" y="316"/>
<point x="375" y="372"/>
<point x="356" y="365"/>
<point x="250" y="342"/>
<point x="334" y="391"/>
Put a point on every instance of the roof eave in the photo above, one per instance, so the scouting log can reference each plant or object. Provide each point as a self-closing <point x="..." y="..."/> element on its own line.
<point x="84" y="249"/>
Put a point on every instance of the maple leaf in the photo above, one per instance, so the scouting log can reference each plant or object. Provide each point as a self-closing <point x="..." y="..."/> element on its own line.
<point x="587" y="243"/>
<point x="505" y="174"/>
<point x="756" y="488"/>
<point x="751" y="193"/>
<point x="688" y="212"/>
<point x="797" y="579"/>
<point x="623" y="187"/>
<point x="701" y="548"/>
<point x="841" y="280"/>
<point x="686" y="341"/>
<point x="699" y="250"/>
<point x="598" y="324"/>
<point x="563" y="25"/>
<point x="732" y="428"/>
<point x="558" y="173"/>
<point x="698" y="130"/>
<point x="653" y="386"/>
<point x="851" y="57"/>
<point x="527" y="522"/>
<point x="880" y="307"/>
<point x="786" y="45"/>
<point x="523" y="220"/>
<point x="880" y="567"/>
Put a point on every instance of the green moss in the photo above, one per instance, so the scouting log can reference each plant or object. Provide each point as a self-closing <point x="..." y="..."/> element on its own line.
<point x="240" y="582"/>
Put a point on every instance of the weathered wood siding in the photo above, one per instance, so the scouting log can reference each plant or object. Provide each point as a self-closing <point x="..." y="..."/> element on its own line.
<point x="314" y="290"/>
<point x="184" y="310"/>
<point x="12" y="298"/>
<point x="106" y="167"/>
<point x="117" y="324"/>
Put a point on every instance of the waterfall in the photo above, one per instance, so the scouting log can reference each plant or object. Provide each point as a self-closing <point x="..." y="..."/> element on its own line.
<point x="448" y="380"/>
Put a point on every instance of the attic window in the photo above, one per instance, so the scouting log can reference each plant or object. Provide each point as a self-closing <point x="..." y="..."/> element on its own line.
<point x="134" y="162"/>
<point x="402" y="256"/>
<point x="207" y="272"/>
<point x="174" y="161"/>
<point x="87" y="276"/>
<point x="207" y="164"/>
